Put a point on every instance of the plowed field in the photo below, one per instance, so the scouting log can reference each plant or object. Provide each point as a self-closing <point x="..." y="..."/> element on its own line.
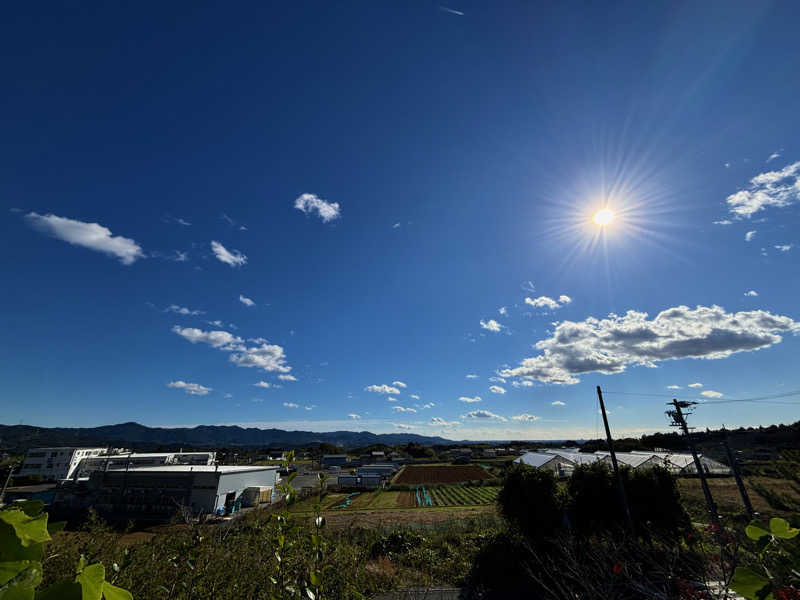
<point x="427" y="474"/>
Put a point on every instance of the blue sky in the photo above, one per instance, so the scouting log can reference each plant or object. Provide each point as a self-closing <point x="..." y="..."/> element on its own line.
<point x="269" y="214"/>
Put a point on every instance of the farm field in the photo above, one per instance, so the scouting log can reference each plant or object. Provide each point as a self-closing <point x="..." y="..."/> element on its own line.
<point x="726" y="495"/>
<point x="464" y="496"/>
<point x="429" y="474"/>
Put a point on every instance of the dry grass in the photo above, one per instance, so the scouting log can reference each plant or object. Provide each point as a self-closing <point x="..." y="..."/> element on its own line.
<point x="726" y="494"/>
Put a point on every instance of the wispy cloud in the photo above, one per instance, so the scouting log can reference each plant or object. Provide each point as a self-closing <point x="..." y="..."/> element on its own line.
<point x="525" y="417"/>
<point x="182" y="310"/>
<point x="266" y="356"/>
<point x="353" y="416"/>
<point x="291" y="405"/>
<point x="784" y="247"/>
<point x="673" y="387"/>
<point x="696" y="384"/>
<point x="382" y="389"/>
<point x="287" y="377"/>
<point x="483" y="414"/>
<point x="558" y="403"/>
<point x="194" y="389"/>
<point x="471" y="376"/>
<point x="496" y="389"/>
<point x="711" y="394"/>
<point x="246" y="301"/>
<point x="266" y="385"/>
<point x="770" y="189"/>
<point x="612" y="344"/>
<point x="491" y="325"/>
<point x="404" y="409"/>
<point x="748" y="237"/>
<point x="399" y="384"/>
<point x="311" y="203"/>
<point x="440" y="422"/>
<point x="451" y="11"/>
<point x="87" y="235"/>
<point x="469" y="400"/>
<point x="773" y="156"/>
<point x="751" y="293"/>
<point x="233" y="258"/>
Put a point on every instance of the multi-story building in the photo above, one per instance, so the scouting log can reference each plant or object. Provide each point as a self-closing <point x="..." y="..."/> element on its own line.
<point x="56" y="463"/>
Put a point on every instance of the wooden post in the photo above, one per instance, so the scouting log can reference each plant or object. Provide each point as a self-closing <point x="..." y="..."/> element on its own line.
<point x="622" y="496"/>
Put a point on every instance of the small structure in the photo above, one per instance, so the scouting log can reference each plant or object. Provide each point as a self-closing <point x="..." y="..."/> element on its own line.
<point x="330" y="460"/>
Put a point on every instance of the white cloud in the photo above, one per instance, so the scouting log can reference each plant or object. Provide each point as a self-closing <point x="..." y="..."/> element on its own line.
<point x="673" y="387"/>
<point x="610" y="345"/>
<point x="195" y="389"/>
<point x="749" y="235"/>
<point x="727" y="165"/>
<point x="503" y="311"/>
<point x="523" y="383"/>
<point x="696" y="385"/>
<point x="88" y="235"/>
<point x="402" y="426"/>
<point x="290" y="405"/>
<point x="415" y="396"/>
<point x="547" y="302"/>
<point x="285" y="377"/>
<point x="496" y="379"/>
<point x="396" y="226"/>
<point x="439" y="422"/>
<point x="182" y="310"/>
<point x="353" y="416"/>
<point x="784" y="247"/>
<point x="525" y="417"/>
<point x="469" y="400"/>
<point x="399" y="384"/>
<point x="711" y="394"/>
<point x="309" y="407"/>
<point x="723" y="222"/>
<point x="483" y="414"/>
<point x="310" y="203"/>
<point x="382" y="389"/>
<point x="751" y="293"/>
<point x="496" y="389"/>
<point x="265" y="384"/>
<point x="234" y="259"/>
<point x="773" y="188"/>
<point x="246" y="301"/>
<point x="269" y="357"/>
<point x="215" y="339"/>
<point x="228" y="395"/>
<point x="428" y="405"/>
<point x="558" y="403"/>
<point x="392" y="399"/>
<point x="773" y="156"/>
<point x="491" y="325"/>
<point x="471" y="376"/>
<point x="404" y="409"/>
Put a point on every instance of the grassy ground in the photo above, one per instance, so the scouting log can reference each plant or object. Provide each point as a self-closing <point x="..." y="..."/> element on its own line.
<point x="771" y="497"/>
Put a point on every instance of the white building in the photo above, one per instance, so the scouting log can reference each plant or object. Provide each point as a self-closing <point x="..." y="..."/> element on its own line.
<point x="56" y="463"/>
<point x="161" y="491"/>
<point x="141" y="459"/>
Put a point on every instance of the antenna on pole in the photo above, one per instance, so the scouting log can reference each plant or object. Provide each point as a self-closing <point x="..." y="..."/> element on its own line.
<point x="679" y="420"/>
<point x="622" y="496"/>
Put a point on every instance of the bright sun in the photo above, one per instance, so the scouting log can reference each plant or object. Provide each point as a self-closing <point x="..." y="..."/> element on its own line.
<point x="603" y="216"/>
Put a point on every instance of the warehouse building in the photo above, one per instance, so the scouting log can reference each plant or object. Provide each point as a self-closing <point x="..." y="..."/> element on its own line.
<point x="54" y="464"/>
<point x="135" y="460"/>
<point x="334" y="460"/>
<point x="158" y="492"/>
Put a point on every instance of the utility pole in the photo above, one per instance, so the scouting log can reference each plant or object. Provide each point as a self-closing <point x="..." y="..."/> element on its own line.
<point x="679" y="420"/>
<point x="622" y="496"/>
<point x="737" y="475"/>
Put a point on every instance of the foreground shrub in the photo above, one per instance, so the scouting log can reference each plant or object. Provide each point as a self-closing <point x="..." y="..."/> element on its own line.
<point x="529" y="500"/>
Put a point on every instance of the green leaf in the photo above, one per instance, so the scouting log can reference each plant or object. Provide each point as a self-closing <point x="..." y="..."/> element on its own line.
<point x="92" y="579"/>
<point x="750" y="584"/>
<point x="31" y="508"/>
<point x="112" y="592"/>
<point x="29" y="530"/>
<point x="10" y="569"/>
<point x="63" y="590"/>
<point x="780" y="528"/>
<point x="18" y="592"/>
<point x="314" y="578"/>
<point x="291" y="477"/>
<point x="755" y="532"/>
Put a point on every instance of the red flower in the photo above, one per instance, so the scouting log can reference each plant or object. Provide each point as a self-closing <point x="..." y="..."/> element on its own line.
<point x="617" y="569"/>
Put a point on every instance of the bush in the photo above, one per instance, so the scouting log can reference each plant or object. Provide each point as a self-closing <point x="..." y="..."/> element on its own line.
<point x="530" y="501"/>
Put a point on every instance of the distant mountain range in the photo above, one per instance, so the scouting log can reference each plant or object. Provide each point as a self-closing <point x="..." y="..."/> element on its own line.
<point x="18" y="438"/>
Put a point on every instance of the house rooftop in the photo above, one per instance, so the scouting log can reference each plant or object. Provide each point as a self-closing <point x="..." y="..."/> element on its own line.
<point x="204" y="468"/>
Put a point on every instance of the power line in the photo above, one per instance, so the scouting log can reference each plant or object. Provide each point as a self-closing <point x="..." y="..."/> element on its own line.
<point x="703" y="401"/>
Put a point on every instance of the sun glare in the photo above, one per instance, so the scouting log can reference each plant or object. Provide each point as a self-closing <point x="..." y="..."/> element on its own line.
<point x="603" y="217"/>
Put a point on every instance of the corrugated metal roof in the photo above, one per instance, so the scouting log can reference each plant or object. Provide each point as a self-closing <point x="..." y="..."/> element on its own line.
<point x="535" y="459"/>
<point x="201" y="468"/>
